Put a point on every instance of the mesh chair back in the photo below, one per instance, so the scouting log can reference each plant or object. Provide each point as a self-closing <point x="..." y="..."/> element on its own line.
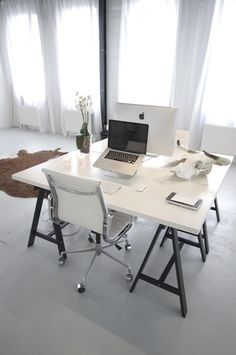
<point x="77" y="200"/>
<point x="219" y="139"/>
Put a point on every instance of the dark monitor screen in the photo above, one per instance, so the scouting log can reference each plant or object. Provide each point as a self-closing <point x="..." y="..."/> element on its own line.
<point x="128" y="136"/>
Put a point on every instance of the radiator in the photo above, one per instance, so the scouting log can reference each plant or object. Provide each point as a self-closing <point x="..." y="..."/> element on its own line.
<point x="28" y="115"/>
<point x="72" y="122"/>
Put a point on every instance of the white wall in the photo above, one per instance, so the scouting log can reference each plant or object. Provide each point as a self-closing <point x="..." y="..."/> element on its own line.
<point x="6" y="107"/>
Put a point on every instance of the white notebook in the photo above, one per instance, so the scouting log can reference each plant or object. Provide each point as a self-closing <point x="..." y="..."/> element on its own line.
<point x="110" y="188"/>
<point x="186" y="201"/>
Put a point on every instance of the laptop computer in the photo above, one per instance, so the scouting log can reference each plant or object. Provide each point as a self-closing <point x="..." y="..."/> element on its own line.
<point x="127" y="144"/>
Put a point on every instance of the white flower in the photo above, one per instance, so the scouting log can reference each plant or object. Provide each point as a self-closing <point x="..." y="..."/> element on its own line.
<point x="83" y="104"/>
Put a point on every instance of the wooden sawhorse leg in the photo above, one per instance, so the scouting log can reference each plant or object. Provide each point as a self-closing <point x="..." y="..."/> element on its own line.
<point x="57" y="239"/>
<point x="175" y="259"/>
<point x="215" y="208"/>
<point x="37" y="212"/>
<point x="202" y="243"/>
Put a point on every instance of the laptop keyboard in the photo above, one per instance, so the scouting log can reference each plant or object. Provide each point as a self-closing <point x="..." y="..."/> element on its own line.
<point x="123" y="157"/>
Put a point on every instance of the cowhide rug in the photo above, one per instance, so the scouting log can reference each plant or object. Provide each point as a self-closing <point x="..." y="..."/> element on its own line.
<point x="23" y="161"/>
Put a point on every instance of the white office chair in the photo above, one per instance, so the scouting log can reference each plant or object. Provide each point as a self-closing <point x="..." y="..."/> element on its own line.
<point x="218" y="140"/>
<point x="80" y="201"/>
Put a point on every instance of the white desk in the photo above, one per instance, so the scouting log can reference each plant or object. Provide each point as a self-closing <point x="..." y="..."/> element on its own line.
<point x="149" y="204"/>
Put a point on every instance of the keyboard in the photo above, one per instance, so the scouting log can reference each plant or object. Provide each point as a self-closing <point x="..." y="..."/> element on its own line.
<point x="121" y="156"/>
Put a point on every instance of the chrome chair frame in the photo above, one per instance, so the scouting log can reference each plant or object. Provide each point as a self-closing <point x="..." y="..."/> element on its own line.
<point x="98" y="248"/>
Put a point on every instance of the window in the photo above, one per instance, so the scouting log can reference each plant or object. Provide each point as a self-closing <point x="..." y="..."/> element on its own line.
<point x="147" y="51"/>
<point x="78" y="53"/>
<point x="25" y="56"/>
<point x="219" y="95"/>
<point x="52" y="52"/>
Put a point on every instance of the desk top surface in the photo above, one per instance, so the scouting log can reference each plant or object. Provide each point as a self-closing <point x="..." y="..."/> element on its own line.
<point x="149" y="204"/>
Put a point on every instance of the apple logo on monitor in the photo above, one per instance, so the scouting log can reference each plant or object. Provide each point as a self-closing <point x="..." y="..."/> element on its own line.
<point x="141" y="116"/>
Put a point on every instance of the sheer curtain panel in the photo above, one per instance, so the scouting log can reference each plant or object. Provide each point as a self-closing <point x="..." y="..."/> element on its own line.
<point x="216" y="92"/>
<point x="24" y="57"/>
<point x="77" y="48"/>
<point x="147" y="51"/>
<point x="218" y="102"/>
<point x="52" y="52"/>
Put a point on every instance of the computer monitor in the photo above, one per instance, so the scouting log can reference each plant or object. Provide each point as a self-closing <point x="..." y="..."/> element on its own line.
<point x="161" y="121"/>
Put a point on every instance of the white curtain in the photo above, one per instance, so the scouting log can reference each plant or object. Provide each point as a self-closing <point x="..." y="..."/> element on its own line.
<point x="181" y="53"/>
<point x="24" y="55"/>
<point x="219" y="95"/>
<point x="74" y="45"/>
<point x="53" y="51"/>
<point x="195" y="18"/>
<point x="147" y="51"/>
<point x="163" y="49"/>
<point x="216" y="92"/>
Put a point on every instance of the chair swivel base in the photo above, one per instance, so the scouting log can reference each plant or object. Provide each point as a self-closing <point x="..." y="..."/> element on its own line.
<point x="98" y="249"/>
<point x="81" y="287"/>
<point x="91" y="239"/>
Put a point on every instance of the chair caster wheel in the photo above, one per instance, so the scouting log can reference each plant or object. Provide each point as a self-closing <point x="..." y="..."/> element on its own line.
<point x="61" y="260"/>
<point x="128" y="247"/>
<point x="80" y="288"/>
<point x="129" y="277"/>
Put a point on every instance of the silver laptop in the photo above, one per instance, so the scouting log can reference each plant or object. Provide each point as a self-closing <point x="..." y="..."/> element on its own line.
<point x="127" y="144"/>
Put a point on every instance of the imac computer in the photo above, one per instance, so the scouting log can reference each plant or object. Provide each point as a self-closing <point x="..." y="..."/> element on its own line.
<point x="161" y="121"/>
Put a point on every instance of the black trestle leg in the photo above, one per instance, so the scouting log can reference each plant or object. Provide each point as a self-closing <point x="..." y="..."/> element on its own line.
<point x="59" y="238"/>
<point x="217" y="210"/>
<point x="202" y="246"/>
<point x="179" y="273"/>
<point x="159" y="229"/>
<point x="205" y="237"/>
<point x="165" y="236"/>
<point x="36" y="216"/>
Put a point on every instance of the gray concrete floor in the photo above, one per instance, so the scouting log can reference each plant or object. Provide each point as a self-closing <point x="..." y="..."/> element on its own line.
<point x="42" y="313"/>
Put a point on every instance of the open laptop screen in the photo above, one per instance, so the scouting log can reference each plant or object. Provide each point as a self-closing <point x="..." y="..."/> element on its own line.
<point x="128" y="136"/>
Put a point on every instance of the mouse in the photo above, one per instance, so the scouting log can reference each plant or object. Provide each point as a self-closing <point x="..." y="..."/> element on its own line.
<point x="140" y="188"/>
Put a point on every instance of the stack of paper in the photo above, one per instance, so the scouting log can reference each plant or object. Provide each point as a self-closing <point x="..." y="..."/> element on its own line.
<point x="191" y="202"/>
